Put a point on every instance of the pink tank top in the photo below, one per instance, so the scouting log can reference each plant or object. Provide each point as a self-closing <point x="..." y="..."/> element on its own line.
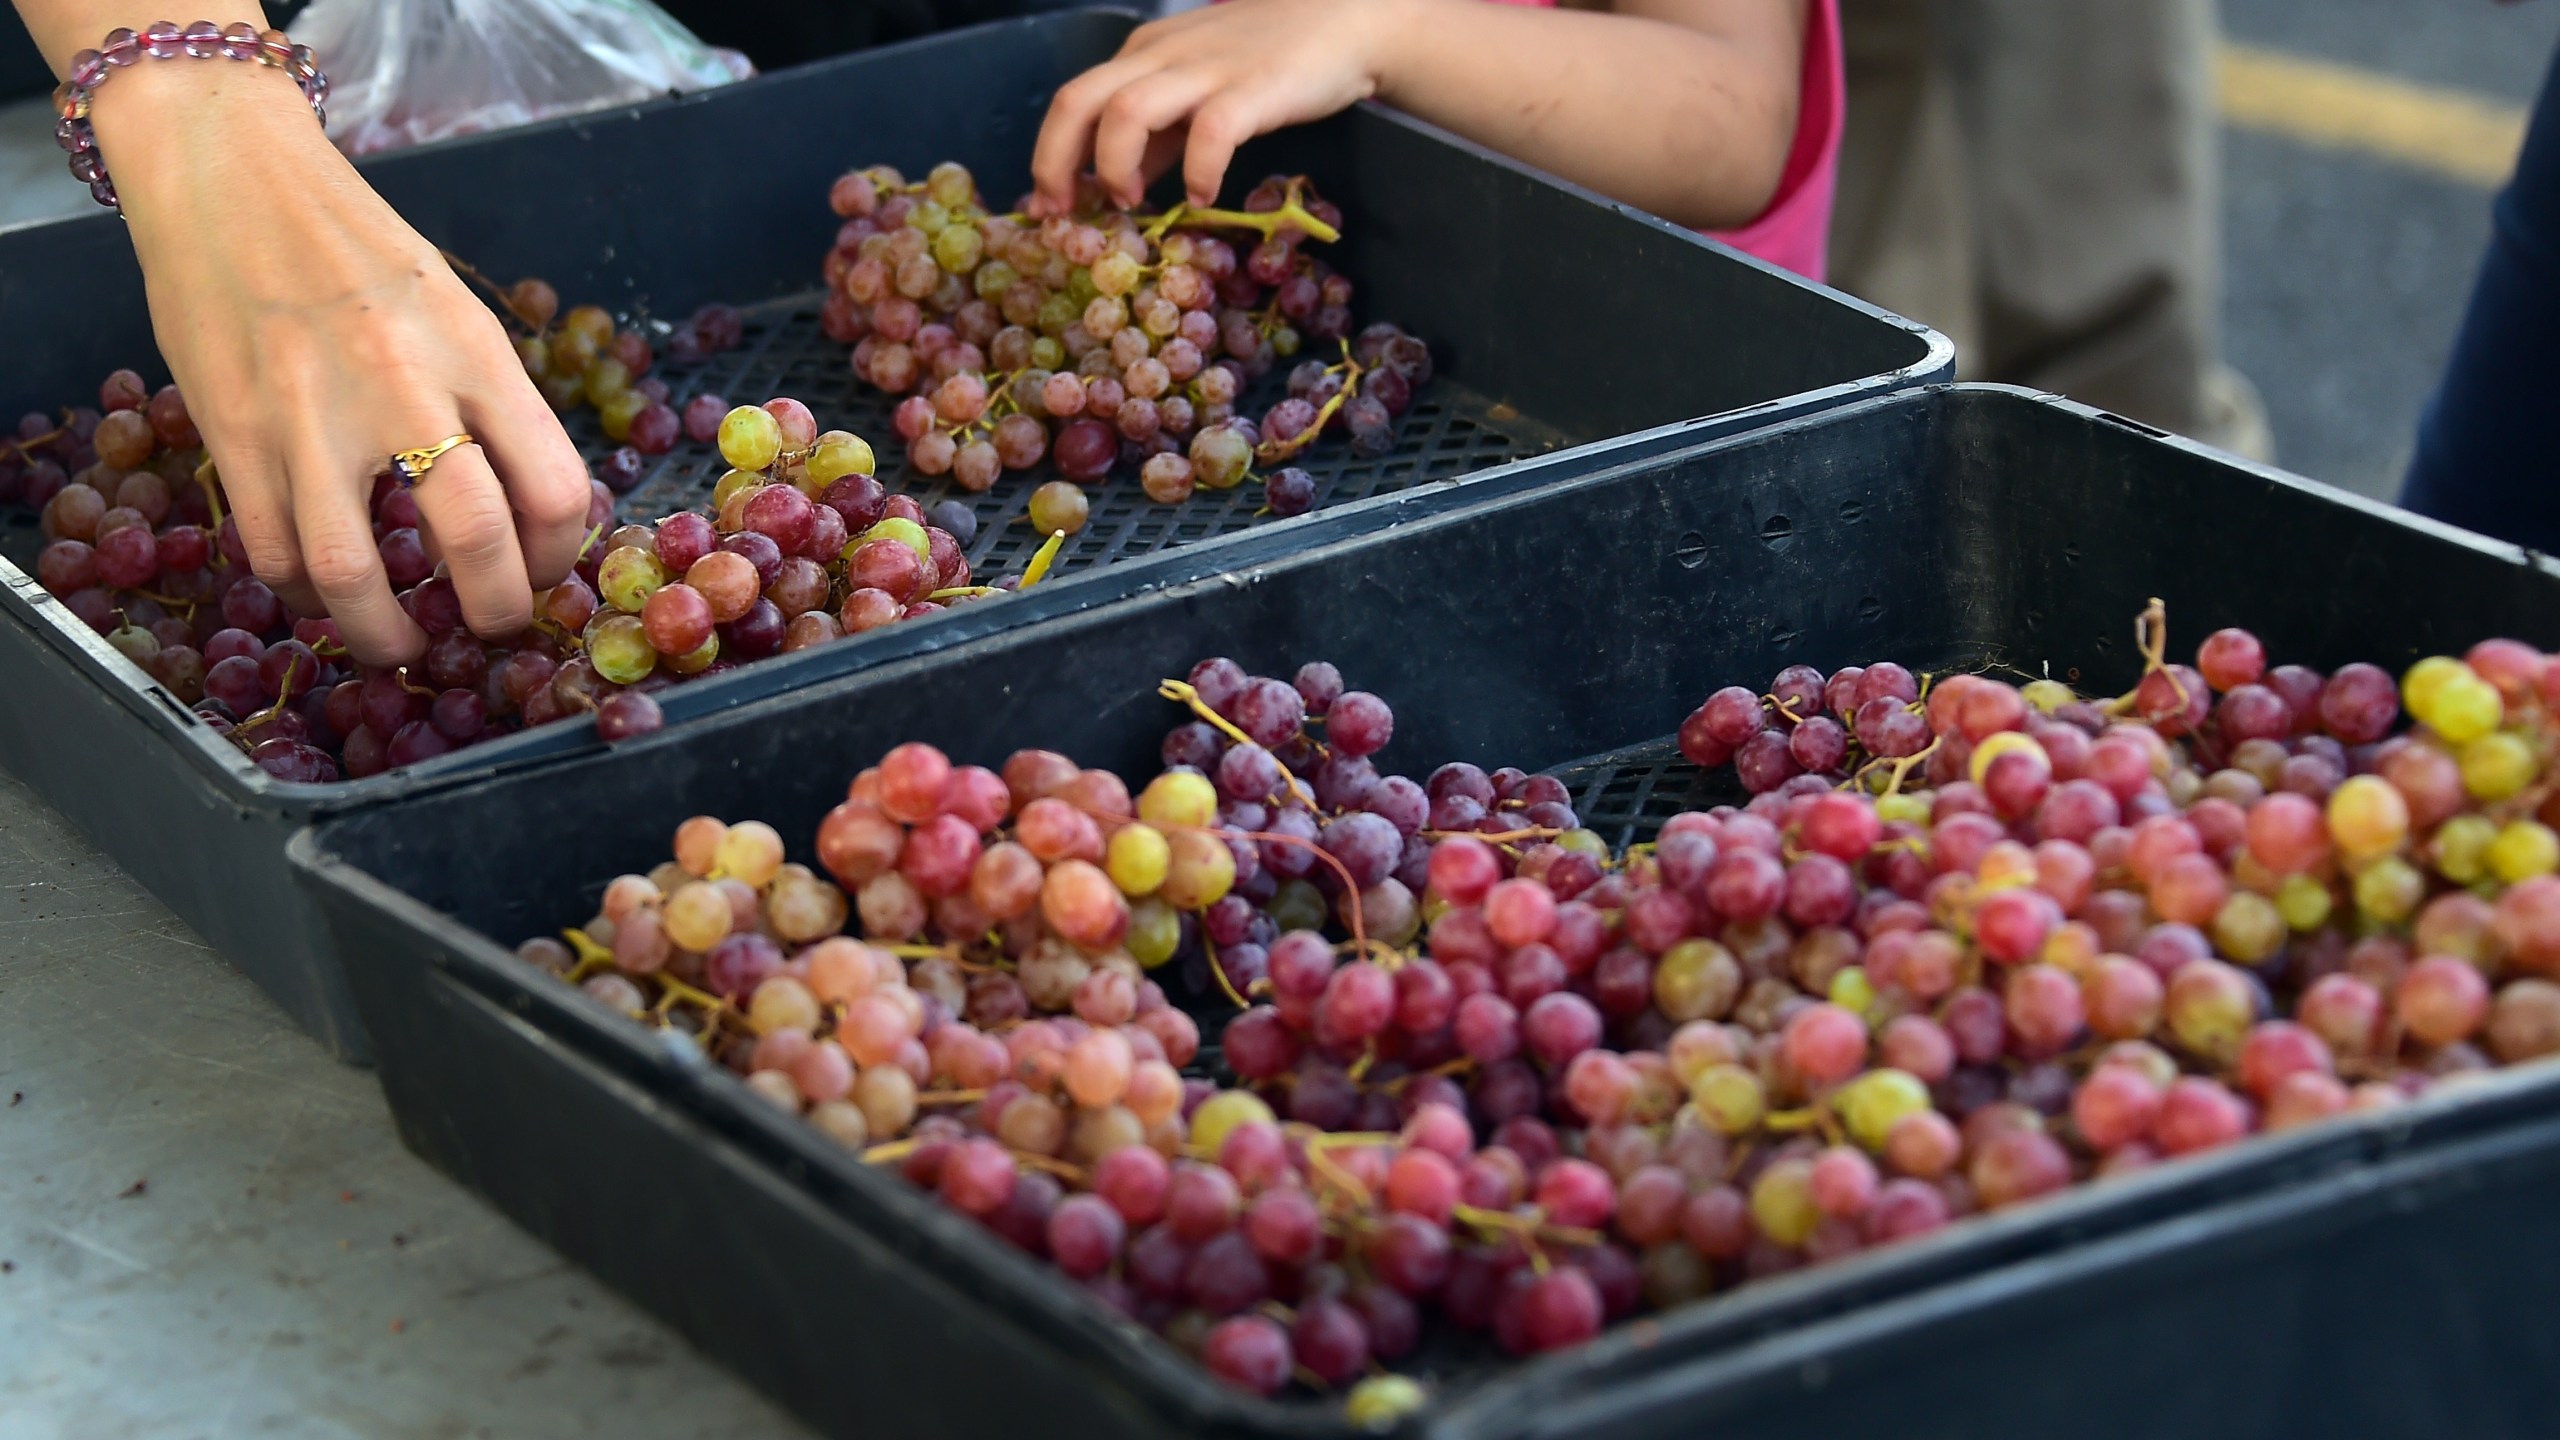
<point x="1794" y="233"/>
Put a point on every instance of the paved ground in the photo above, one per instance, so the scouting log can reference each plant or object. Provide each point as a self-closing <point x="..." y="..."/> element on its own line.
<point x="2347" y="274"/>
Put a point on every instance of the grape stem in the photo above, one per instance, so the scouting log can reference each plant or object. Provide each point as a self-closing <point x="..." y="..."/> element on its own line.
<point x="211" y="480"/>
<point x="1499" y="837"/>
<point x="2151" y="636"/>
<point x="1072" y="1174"/>
<point x="187" y="608"/>
<point x="1181" y="690"/>
<point x="506" y="299"/>
<point x="950" y="1097"/>
<point x="1292" y="213"/>
<point x="1218" y="969"/>
<point x="1459" y="1066"/>
<point x="46" y="438"/>
<point x="1041" y="560"/>
<point x="591" y="956"/>
<point x="284" y="695"/>
<point x="1273" y="451"/>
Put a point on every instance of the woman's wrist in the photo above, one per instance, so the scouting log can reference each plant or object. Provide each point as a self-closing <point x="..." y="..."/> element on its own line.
<point x="149" y="115"/>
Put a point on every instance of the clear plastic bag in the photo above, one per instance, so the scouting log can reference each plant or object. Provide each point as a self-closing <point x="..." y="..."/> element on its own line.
<point x="402" y="72"/>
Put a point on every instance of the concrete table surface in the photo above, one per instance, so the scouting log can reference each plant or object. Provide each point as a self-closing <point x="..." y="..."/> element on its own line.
<point x="208" y="1228"/>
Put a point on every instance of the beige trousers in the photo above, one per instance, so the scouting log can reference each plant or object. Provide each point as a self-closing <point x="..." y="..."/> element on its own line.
<point x="2039" y="179"/>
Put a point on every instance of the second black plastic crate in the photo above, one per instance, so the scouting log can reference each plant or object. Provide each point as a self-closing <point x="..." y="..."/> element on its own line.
<point x="1565" y="629"/>
<point x="1565" y="328"/>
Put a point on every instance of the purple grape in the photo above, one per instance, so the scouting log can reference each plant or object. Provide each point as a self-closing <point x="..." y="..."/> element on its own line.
<point x="627" y="714"/>
<point x="1270" y="711"/>
<point x="1359" y="724"/>
<point x="621" y="470"/>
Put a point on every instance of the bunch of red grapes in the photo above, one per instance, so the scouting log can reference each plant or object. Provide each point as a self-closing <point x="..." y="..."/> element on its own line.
<point x="801" y="546"/>
<point x="1968" y="944"/>
<point x="1109" y="338"/>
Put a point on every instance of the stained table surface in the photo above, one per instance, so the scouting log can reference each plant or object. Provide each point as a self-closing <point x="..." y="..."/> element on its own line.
<point x="209" y="1229"/>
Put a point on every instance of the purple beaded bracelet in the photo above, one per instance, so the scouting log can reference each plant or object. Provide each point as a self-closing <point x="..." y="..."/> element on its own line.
<point x="163" y="40"/>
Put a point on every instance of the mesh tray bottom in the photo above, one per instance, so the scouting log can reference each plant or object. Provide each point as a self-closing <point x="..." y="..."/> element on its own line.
<point x="1449" y="432"/>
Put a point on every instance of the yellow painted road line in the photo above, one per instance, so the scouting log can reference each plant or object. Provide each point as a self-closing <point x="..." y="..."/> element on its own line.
<point x="2452" y="133"/>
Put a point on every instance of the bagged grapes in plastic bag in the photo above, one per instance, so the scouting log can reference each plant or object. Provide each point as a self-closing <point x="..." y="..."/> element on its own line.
<point x="402" y="72"/>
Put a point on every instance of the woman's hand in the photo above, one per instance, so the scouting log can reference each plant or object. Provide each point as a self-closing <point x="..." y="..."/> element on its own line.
<point x="314" y="333"/>
<point x="1199" y="84"/>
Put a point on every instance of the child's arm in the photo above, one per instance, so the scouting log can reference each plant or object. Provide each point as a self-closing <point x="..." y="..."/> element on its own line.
<point x="1685" y="108"/>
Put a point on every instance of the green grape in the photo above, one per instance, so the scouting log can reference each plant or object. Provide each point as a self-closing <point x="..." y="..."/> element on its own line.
<point x="2304" y="902"/>
<point x="1114" y="274"/>
<point x="1047" y="353"/>
<point x="1178" y="798"/>
<point x="1852" y="991"/>
<point x="839" y="454"/>
<point x="1782" y="1202"/>
<point x="615" y="412"/>
<point x="1080" y="288"/>
<point x="1871" y="1104"/>
<point x="1057" y="313"/>
<point x="959" y="248"/>
<point x="1155" y="931"/>
<point x="993" y="279"/>
<point x="695" y="663"/>
<point x="627" y="578"/>
<point x="1058" y="506"/>
<point x="2524" y="849"/>
<point x="2248" y="928"/>
<point x="2046" y="695"/>
<point x="1220" y="457"/>
<point x="1220" y="1114"/>
<point x="2466" y="708"/>
<point x="950" y="184"/>
<point x="905" y="532"/>
<point x="930" y="216"/>
<point x="2497" y="766"/>
<point x="750" y="437"/>
<point x="1729" y="1098"/>
<point x="2389" y="890"/>
<point x="1137" y="859"/>
<point x="606" y="378"/>
<point x="2462" y="848"/>
<point x="572" y="351"/>
<point x="1379" y="1401"/>
<point x="618" y="646"/>
<point x="1298" y="905"/>
<point x="732" y="484"/>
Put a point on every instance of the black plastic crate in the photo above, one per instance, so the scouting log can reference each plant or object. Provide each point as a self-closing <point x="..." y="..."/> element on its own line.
<point x="2309" y="1281"/>
<point x="721" y="196"/>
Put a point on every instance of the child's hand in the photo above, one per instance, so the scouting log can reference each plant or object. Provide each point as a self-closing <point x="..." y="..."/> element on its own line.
<point x="1223" y="74"/>
<point x="314" y="333"/>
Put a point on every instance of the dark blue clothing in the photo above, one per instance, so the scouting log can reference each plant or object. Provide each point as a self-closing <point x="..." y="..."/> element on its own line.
<point x="2489" y="444"/>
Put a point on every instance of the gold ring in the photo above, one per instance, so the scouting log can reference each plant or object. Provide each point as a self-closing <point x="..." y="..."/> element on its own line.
<point x="412" y="465"/>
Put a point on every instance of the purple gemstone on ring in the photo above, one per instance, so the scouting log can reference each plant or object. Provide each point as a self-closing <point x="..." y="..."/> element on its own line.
<point x="163" y="40"/>
<point x="240" y="41"/>
<point x="85" y="167"/>
<point x="66" y="135"/>
<point x="103" y="191"/>
<point x="319" y="89"/>
<point x="87" y="69"/>
<point x="122" y="47"/>
<point x="203" y="40"/>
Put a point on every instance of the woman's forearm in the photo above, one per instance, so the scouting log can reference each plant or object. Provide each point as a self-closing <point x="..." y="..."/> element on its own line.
<point x="1685" y="108"/>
